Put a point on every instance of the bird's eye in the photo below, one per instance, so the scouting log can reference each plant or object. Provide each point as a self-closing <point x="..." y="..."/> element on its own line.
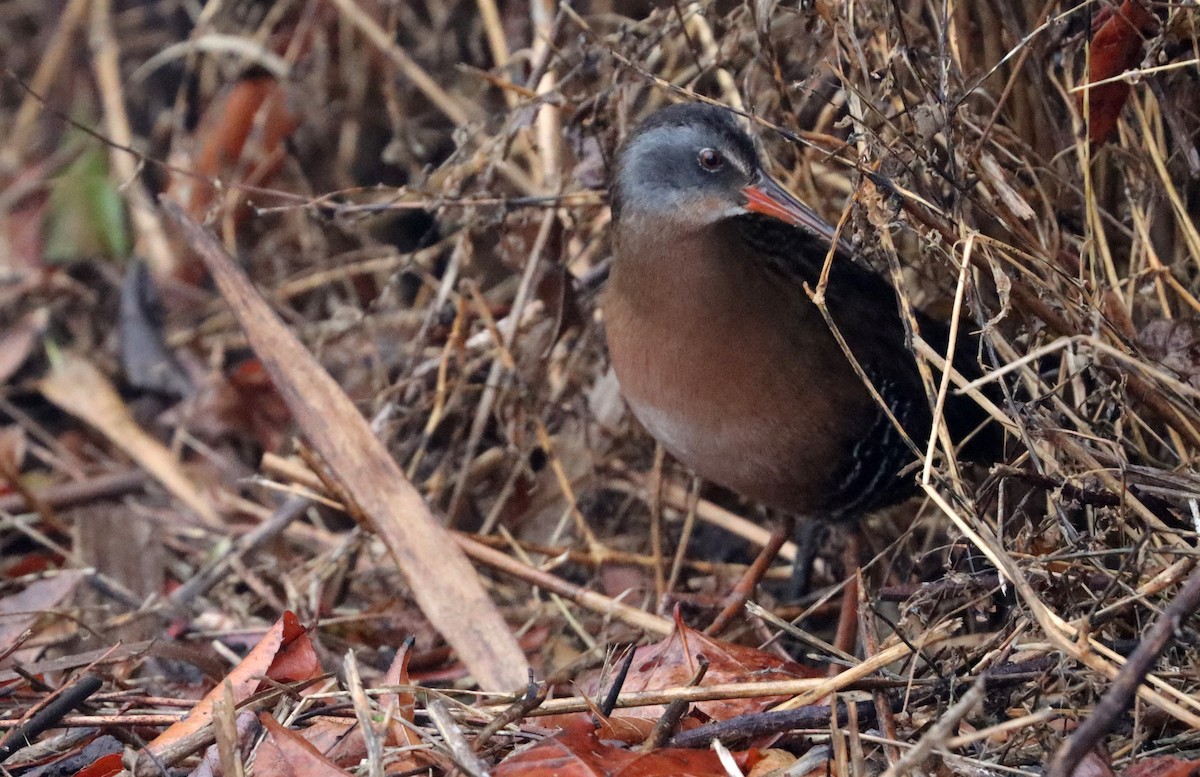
<point x="710" y="160"/>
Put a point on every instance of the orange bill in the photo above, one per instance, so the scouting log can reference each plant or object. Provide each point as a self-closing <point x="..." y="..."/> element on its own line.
<point x="765" y="195"/>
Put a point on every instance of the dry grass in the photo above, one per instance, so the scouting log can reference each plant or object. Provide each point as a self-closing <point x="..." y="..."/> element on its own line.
<point x="944" y="138"/>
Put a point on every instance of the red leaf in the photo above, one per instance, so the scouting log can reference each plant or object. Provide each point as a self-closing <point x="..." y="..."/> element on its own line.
<point x="241" y="140"/>
<point x="284" y="654"/>
<point x="403" y="703"/>
<point x="1116" y="47"/>
<point x="672" y="663"/>
<point x="296" y="659"/>
<point x="584" y="754"/>
<point x="104" y="766"/>
<point x="1162" y="766"/>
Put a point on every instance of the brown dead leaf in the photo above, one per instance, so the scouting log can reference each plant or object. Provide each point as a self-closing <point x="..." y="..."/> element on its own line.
<point x="1162" y="766"/>
<point x="77" y="387"/>
<point x="1096" y="763"/>
<point x="13" y="445"/>
<point x="340" y="740"/>
<point x="584" y="754"/>
<point x="241" y="140"/>
<point x="672" y="663"/>
<point x="21" y="232"/>
<point x="236" y="403"/>
<point x="773" y="761"/>
<point x="443" y="582"/>
<point x="284" y="654"/>
<point x="1175" y="344"/>
<point x="19" y="611"/>
<point x="286" y="753"/>
<point x="402" y="705"/>
<point x="1116" y="46"/>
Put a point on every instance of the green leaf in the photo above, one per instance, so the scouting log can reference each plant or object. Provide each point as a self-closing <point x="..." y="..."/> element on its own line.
<point x="86" y="217"/>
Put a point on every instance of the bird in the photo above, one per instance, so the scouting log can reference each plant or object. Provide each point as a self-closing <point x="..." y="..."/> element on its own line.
<point x="719" y="350"/>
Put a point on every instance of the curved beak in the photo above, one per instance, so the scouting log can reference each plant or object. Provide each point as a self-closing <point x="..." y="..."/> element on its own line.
<point x="767" y="196"/>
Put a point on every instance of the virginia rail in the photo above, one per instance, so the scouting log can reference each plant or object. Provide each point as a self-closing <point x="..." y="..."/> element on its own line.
<point x="721" y="353"/>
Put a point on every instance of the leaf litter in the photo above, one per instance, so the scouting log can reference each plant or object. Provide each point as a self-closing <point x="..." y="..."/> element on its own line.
<point x="420" y="202"/>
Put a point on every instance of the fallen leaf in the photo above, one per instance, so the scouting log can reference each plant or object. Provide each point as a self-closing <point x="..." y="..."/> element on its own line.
<point x="1162" y="766"/>
<point x="104" y="766"/>
<point x="1096" y="763"/>
<point x="1175" y="344"/>
<point x="296" y="659"/>
<point x="284" y="654"/>
<point x="585" y="754"/>
<point x="340" y="740"/>
<point x="672" y="663"/>
<point x="147" y="362"/>
<point x="20" y="611"/>
<point x="1116" y="47"/>
<point x="443" y="582"/>
<point x="402" y="705"/>
<point x="241" y="140"/>
<point x="82" y="390"/>
<point x="86" y="214"/>
<point x="774" y="761"/>
<point x="286" y="753"/>
<point x="13" y="445"/>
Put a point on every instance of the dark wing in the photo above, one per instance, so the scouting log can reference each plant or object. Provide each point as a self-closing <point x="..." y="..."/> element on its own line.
<point x="864" y="307"/>
<point x="867" y="479"/>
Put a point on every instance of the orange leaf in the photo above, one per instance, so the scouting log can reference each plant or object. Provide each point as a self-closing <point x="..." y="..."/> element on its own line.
<point x="241" y="141"/>
<point x="672" y="663"/>
<point x="279" y="643"/>
<point x="296" y="659"/>
<point x="1162" y="766"/>
<point x="405" y="702"/>
<point x="104" y="766"/>
<point x="584" y="754"/>
<point x="242" y="136"/>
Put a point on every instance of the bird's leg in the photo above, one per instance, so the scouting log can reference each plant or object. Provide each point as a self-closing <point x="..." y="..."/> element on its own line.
<point x="846" y="635"/>
<point x="781" y="531"/>
<point x="808" y="541"/>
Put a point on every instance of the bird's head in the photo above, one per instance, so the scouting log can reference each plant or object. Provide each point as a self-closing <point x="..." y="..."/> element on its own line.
<point x="691" y="165"/>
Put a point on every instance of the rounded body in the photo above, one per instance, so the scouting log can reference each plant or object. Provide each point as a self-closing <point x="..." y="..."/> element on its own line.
<point x="733" y="369"/>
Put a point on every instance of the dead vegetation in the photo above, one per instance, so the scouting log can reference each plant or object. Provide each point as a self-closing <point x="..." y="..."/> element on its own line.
<point x="416" y="189"/>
